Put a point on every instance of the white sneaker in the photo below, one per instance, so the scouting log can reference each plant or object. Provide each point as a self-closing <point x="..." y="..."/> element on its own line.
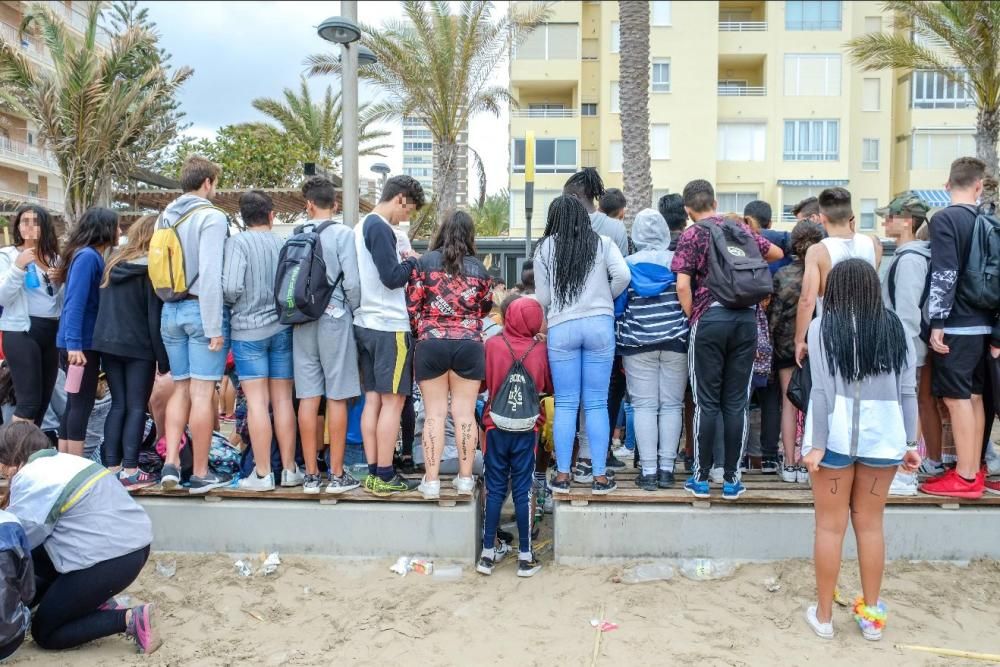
<point x="716" y="475"/>
<point x="292" y="477"/>
<point x="623" y="453"/>
<point x="903" y="484"/>
<point x="464" y="485"/>
<point x="801" y="475"/>
<point x="255" y="483"/>
<point x="790" y="474"/>
<point x="822" y="630"/>
<point x="430" y="490"/>
<point x="931" y="467"/>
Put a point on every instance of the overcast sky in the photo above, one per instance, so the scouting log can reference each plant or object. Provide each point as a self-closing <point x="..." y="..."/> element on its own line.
<point x="243" y="50"/>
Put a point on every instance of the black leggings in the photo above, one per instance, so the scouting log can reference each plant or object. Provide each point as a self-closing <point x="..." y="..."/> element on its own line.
<point x="67" y="613"/>
<point x="131" y="384"/>
<point x="408" y="426"/>
<point x="73" y="425"/>
<point x="34" y="364"/>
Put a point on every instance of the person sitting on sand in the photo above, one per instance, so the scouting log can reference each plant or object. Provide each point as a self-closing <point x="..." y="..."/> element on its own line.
<point x="89" y="542"/>
<point x="862" y="364"/>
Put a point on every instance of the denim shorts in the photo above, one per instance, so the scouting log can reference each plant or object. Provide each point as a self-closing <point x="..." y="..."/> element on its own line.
<point x="270" y="358"/>
<point x="187" y="345"/>
<point x="836" y="461"/>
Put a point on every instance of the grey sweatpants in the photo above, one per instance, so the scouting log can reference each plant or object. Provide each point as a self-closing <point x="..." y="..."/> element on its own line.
<point x="656" y="383"/>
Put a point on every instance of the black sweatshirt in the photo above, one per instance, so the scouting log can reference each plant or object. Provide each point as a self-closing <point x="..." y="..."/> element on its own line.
<point x="951" y="239"/>
<point x="128" y="319"/>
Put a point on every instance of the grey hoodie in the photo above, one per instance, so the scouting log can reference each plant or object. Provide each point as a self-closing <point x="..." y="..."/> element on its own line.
<point x="203" y="238"/>
<point x="608" y="277"/>
<point x="911" y="277"/>
<point x="651" y="237"/>
<point x="613" y="228"/>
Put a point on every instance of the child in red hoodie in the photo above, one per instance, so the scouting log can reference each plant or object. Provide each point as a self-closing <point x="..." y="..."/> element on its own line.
<point x="510" y="456"/>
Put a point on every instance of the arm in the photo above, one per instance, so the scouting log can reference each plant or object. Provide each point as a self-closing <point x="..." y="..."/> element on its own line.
<point x="689" y="254"/>
<point x="807" y="300"/>
<point x="909" y="291"/>
<point x="381" y="243"/>
<point x="684" y="293"/>
<point x="154" y="309"/>
<point x="31" y="511"/>
<point x="348" y="256"/>
<point x="210" y="255"/>
<point x="618" y="270"/>
<point x="543" y="288"/>
<point x="820" y="402"/>
<point x="908" y="393"/>
<point x="945" y="263"/>
<point x="84" y="272"/>
<point x="234" y="273"/>
<point x="11" y="279"/>
<point x="878" y="250"/>
<point x="415" y="293"/>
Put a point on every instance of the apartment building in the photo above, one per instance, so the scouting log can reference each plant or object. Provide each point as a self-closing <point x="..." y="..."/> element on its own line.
<point x="759" y="97"/>
<point x="418" y="157"/>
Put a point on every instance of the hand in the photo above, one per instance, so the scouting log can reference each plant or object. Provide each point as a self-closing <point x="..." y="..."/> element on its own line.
<point x="937" y="342"/>
<point x="411" y="254"/>
<point x="801" y="352"/>
<point x="812" y="459"/>
<point x="24" y="258"/>
<point x="76" y="358"/>
<point x="911" y="460"/>
<point x="215" y="344"/>
<point x="995" y="352"/>
<point x="540" y="337"/>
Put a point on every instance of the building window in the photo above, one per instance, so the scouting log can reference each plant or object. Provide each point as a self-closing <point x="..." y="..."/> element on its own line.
<point x="792" y="195"/>
<point x="873" y="24"/>
<point x="869" y="154"/>
<point x="588" y="109"/>
<point x="871" y="96"/>
<point x="547" y="110"/>
<point x="616" y="156"/>
<point x="937" y="150"/>
<point x="417" y="134"/>
<point x="659" y="12"/>
<point x="661" y="75"/>
<point x="812" y="140"/>
<point x="659" y="142"/>
<point x="812" y="74"/>
<point x="735" y="202"/>
<point x="741" y="142"/>
<point x="616" y="37"/>
<point x="934" y="90"/>
<point x="614" y="97"/>
<point x="417" y="146"/>
<point x="812" y="15"/>
<point x="552" y="156"/>
<point x="550" y="41"/>
<point x="418" y="172"/>
<point x="867" y="217"/>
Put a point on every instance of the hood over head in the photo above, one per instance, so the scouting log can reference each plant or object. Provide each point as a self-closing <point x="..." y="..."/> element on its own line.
<point x="524" y="318"/>
<point x="650" y="231"/>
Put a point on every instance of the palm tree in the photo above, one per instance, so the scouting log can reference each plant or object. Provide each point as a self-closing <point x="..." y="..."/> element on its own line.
<point x="438" y="66"/>
<point x="633" y="93"/>
<point x="100" y="111"/>
<point x="317" y="125"/>
<point x="492" y="216"/>
<point x="954" y="37"/>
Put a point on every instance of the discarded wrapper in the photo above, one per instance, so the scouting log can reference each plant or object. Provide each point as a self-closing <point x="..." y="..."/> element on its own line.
<point x="401" y="566"/>
<point x="271" y="564"/>
<point x="603" y="626"/>
<point x="243" y="568"/>
<point x="421" y="566"/>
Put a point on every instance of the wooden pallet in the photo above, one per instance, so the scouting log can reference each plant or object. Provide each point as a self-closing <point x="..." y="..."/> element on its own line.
<point x="448" y="496"/>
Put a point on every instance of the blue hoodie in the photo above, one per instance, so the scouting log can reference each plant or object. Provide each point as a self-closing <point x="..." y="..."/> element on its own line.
<point x="649" y="315"/>
<point x="81" y="301"/>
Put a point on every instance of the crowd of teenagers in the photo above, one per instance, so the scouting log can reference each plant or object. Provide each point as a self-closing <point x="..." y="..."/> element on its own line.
<point x="689" y="318"/>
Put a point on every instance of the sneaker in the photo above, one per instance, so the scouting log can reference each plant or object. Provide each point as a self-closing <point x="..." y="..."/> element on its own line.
<point x="395" y="485"/>
<point x="290" y="478"/>
<point x="431" y="491"/>
<point x="546" y="502"/>
<point x="212" y="480"/>
<point x="464" y="485"/>
<point x="822" y="630"/>
<point x="733" y="490"/>
<point x="769" y="467"/>
<point x="485" y="565"/>
<point x="952" y="485"/>
<point x="688" y="463"/>
<point x="311" y="483"/>
<point x="622" y="452"/>
<point x="253" y="482"/>
<point x="801" y="475"/>
<point x="931" y="468"/>
<point x="342" y="484"/>
<point x="871" y="620"/>
<point x="717" y="475"/>
<point x="170" y="476"/>
<point x="369" y="482"/>
<point x="992" y="486"/>
<point x="603" y="488"/>
<point x="502" y="550"/>
<point x="143" y="628"/>
<point x="696" y="487"/>
<point x="137" y="480"/>
<point x="560" y="485"/>
<point x="614" y="462"/>
<point x="528" y="567"/>
<point x="583" y="472"/>
<point x="645" y="482"/>
<point x="790" y="474"/>
<point x="665" y="479"/>
<point x="903" y="484"/>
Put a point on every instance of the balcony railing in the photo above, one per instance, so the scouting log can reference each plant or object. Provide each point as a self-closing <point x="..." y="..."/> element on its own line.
<point x="742" y="91"/>
<point x="77" y="21"/>
<point x="742" y="26"/>
<point x="20" y="197"/>
<point x="544" y="113"/>
<point x="589" y="158"/>
<point x="29" y="46"/>
<point x="21" y="150"/>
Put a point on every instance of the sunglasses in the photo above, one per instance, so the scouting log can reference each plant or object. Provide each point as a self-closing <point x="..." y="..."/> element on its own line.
<point x="48" y="284"/>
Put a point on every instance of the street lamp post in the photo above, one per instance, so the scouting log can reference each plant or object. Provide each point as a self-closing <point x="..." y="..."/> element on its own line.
<point x="382" y="169"/>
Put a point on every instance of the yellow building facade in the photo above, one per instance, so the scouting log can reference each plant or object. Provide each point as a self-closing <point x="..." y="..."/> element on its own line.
<point x="758" y="97"/>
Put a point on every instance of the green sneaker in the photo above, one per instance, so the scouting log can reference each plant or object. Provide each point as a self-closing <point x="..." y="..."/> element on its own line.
<point x="395" y="485"/>
<point x="369" y="482"/>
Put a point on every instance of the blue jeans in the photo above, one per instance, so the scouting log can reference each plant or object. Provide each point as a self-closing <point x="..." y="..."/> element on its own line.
<point x="581" y="353"/>
<point x="629" y="425"/>
<point x="187" y="345"/>
<point x="270" y="358"/>
<point x="837" y="461"/>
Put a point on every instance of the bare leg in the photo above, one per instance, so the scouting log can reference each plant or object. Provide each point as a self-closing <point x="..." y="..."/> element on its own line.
<point x="177" y="413"/>
<point x="284" y="420"/>
<point x="832" y="500"/>
<point x="336" y="421"/>
<point x="261" y="434"/>
<point x="871" y="488"/>
<point x="369" y="425"/>
<point x="308" y="426"/>
<point x="930" y="417"/>
<point x="201" y="422"/>
<point x="463" y="413"/>
<point x="435" y="395"/>
<point x="789" y="417"/>
<point x="388" y="427"/>
<point x="967" y="424"/>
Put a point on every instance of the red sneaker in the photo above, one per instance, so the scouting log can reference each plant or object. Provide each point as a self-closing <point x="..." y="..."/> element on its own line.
<point x="992" y="486"/>
<point x="955" y="487"/>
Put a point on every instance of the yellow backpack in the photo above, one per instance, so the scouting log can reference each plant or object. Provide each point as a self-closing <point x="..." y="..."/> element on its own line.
<point x="167" y="271"/>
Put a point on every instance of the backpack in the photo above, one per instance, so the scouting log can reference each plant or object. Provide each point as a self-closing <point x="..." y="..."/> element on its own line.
<point x="301" y="289"/>
<point x="738" y="277"/>
<point x="515" y="406"/>
<point x="979" y="284"/>
<point x="167" y="270"/>
<point x="892" y="279"/>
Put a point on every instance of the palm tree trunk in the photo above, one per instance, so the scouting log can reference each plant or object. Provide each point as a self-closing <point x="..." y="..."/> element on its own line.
<point x="445" y="177"/>
<point x="987" y="133"/>
<point x="634" y="104"/>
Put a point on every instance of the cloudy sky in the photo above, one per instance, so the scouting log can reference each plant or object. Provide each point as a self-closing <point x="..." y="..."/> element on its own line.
<point x="243" y="50"/>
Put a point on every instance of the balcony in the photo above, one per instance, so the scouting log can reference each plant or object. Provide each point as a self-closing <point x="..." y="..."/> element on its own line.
<point x="26" y="153"/>
<point x="544" y="113"/>
<point x="740" y="90"/>
<point x="29" y="46"/>
<point x="77" y="21"/>
<point x="590" y="158"/>
<point x="17" y="198"/>
<point x="742" y="26"/>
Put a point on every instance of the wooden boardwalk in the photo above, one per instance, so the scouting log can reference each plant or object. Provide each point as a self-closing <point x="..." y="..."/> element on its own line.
<point x="448" y="496"/>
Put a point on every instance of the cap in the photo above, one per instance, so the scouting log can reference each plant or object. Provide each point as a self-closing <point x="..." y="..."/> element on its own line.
<point x="908" y="203"/>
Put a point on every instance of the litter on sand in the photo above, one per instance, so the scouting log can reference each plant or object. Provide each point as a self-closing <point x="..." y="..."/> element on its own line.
<point x="243" y="568"/>
<point x="168" y="569"/>
<point x="603" y="626"/>
<point x="271" y="564"/>
<point x="772" y="585"/>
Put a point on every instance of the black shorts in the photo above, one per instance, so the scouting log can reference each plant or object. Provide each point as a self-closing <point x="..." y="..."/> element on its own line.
<point x="962" y="372"/>
<point x="436" y="356"/>
<point x="385" y="360"/>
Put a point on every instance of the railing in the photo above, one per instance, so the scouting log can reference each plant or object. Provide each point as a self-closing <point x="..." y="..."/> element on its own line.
<point x="544" y="113"/>
<point x="742" y="26"/>
<point x="589" y="158"/>
<point x="24" y="151"/>
<point x="29" y="46"/>
<point x="742" y="91"/>
<point x="78" y="21"/>
<point x="51" y="204"/>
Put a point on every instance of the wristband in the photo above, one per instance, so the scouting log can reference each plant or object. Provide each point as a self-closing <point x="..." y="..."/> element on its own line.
<point x="911" y="446"/>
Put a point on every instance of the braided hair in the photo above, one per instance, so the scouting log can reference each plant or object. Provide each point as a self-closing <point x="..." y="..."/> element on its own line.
<point x="861" y="337"/>
<point x="574" y="248"/>
<point x="585" y="185"/>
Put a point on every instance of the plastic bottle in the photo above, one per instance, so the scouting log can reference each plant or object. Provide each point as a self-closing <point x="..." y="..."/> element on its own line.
<point x="31" y="277"/>
<point x="447" y="573"/>
<point x="639" y="574"/>
<point x="707" y="569"/>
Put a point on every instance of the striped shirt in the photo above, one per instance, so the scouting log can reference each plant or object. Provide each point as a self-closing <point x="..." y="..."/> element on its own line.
<point x="248" y="284"/>
<point x="653" y="318"/>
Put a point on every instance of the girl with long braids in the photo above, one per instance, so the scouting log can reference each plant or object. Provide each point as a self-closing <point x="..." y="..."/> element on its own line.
<point x="586" y="185"/>
<point x="860" y="427"/>
<point x="578" y="273"/>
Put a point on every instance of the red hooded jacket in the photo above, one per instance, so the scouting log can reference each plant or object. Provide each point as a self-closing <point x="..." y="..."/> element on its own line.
<point x="523" y="322"/>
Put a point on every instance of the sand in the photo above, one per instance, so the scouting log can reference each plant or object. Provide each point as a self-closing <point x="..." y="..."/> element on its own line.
<point x="316" y="611"/>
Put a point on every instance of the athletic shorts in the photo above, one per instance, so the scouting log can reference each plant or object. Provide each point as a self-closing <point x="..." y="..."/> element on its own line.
<point x="962" y="372"/>
<point x="385" y="359"/>
<point x="326" y="358"/>
<point x="436" y="356"/>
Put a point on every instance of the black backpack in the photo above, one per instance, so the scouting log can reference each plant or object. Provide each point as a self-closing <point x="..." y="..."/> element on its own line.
<point x="738" y="277"/>
<point x="301" y="289"/>
<point x="979" y="284"/>
<point x="892" y="279"/>
<point x="515" y="406"/>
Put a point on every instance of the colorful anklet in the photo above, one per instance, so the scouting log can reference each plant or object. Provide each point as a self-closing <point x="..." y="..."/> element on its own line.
<point x="869" y="618"/>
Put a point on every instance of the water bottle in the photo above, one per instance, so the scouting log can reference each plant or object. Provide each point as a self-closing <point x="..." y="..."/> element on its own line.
<point x="31" y="277"/>
<point x="648" y="572"/>
<point x="707" y="569"/>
